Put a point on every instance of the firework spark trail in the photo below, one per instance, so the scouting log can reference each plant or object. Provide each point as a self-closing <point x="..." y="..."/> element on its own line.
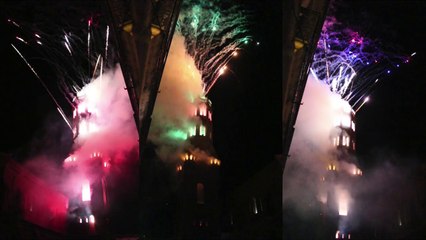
<point x="350" y="63"/>
<point x="76" y="55"/>
<point x="58" y="107"/>
<point x="212" y="34"/>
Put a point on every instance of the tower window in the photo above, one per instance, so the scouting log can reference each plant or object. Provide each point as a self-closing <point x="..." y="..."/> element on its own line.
<point x="192" y="131"/>
<point x="345" y="141"/>
<point x="203" y="110"/>
<point x="85" y="192"/>
<point x="200" y="193"/>
<point x="202" y="130"/>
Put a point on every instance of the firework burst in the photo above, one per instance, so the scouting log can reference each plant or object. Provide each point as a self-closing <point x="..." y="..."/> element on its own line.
<point x="75" y="46"/>
<point x="349" y="63"/>
<point x="214" y="32"/>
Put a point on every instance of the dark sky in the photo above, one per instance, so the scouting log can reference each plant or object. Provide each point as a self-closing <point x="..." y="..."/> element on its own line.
<point x="248" y="104"/>
<point x="392" y="122"/>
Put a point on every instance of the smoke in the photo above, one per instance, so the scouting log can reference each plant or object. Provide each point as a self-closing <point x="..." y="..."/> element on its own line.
<point x="343" y="198"/>
<point x="180" y="85"/>
<point x="113" y="136"/>
<point x="114" y="132"/>
<point x="45" y="168"/>
<point x="373" y="198"/>
<point x="385" y="192"/>
<point x="311" y="147"/>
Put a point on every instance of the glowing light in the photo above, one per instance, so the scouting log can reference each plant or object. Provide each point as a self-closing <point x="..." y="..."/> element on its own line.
<point x="177" y="134"/>
<point x="21" y="39"/>
<point x="192" y="131"/>
<point x="215" y="161"/>
<point x="203" y="110"/>
<point x="255" y="211"/>
<point x="365" y="101"/>
<point x="95" y="154"/>
<point x="343" y="211"/>
<point x="202" y="130"/>
<point x="187" y="157"/>
<point x="92" y="219"/>
<point x="343" y="200"/>
<point x="85" y="192"/>
<point x="70" y="158"/>
<point x="13" y="22"/>
<point x="222" y="70"/>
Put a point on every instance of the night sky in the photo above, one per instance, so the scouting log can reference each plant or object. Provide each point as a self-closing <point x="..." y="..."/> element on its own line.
<point x="247" y="105"/>
<point x="391" y="124"/>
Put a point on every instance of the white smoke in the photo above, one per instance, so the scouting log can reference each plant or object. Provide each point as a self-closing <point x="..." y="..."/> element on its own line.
<point x="312" y="147"/>
<point x="113" y="116"/>
<point x="180" y="85"/>
<point x="113" y="135"/>
<point x="373" y="199"/>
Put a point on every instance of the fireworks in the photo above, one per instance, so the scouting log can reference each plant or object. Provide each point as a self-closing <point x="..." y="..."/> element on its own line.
<point x="214" y="33"/>
<point x="208" y="35"/>
<point x="346" y="68"/>
<point x="349" y="63"/>
<point x="77" y="49"/>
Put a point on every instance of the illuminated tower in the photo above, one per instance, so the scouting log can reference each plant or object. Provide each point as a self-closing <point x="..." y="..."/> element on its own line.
<point x="89" y="172"/>
<point x="198" y="173"/>
<point x="342" y="172"/>
<point x="343" y="141"/>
